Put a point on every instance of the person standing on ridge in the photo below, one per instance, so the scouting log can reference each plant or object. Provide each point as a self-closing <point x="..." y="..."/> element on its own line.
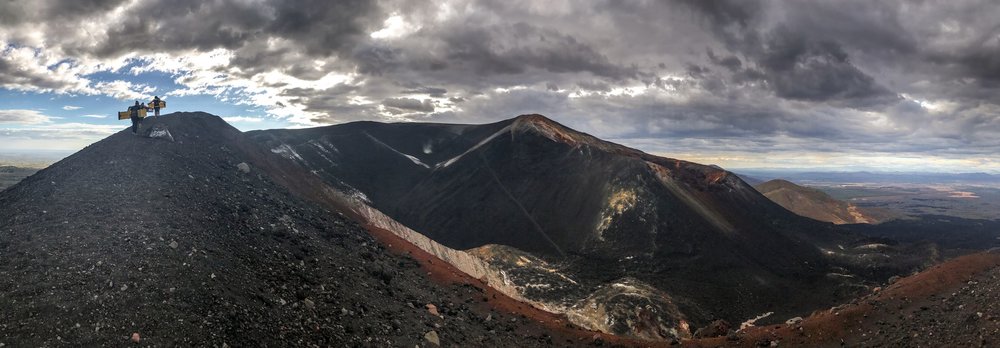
<point x="156" y="106"/>
<point x="134" y="116"/>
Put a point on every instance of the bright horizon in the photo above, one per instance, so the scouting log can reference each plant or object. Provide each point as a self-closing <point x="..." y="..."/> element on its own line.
<point x="801" y="85"/>
<point x="788" y="163"/>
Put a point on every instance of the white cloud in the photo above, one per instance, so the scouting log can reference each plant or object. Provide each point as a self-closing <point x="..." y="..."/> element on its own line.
<point x="395" y="27"/>
<point x="68" y="128"/>
<point x="60" y="136"/>
<point x="71" y="107"/>
<point x="206" y="73"/>
<point x="244" y="119"/>
<point x="22" y="117"/>
<point x="45" y="70"/>
<point x="94" y="116"/>
<point x="125" y="90"/>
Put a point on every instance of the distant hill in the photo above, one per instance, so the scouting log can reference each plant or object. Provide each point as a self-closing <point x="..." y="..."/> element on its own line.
<point x="10" y="175"/>
<point x="874" y="177"/>
<point x="816" y="204"/>
<point x="752" y="180"/>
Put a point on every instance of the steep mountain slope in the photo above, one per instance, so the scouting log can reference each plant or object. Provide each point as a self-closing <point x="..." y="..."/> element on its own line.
<point x="590" y="220"/>
<point x="816" y="204"/>
<point x="190" y="236"/>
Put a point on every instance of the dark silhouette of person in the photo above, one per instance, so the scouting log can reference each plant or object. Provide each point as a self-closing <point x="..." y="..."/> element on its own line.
<point x="134" y="115"/>
<point x="156" y="105"/>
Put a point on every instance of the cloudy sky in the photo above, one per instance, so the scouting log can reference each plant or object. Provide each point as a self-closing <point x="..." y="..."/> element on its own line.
<point x="839" y="85"/>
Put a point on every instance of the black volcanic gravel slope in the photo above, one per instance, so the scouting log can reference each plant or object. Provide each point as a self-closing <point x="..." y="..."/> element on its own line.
<point x="172" y="240"/>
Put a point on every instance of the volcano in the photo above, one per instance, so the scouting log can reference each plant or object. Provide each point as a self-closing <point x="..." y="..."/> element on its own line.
<point x="517" y="233"/>
<point x="593" y="229"/>
<point x="193" y="235"/>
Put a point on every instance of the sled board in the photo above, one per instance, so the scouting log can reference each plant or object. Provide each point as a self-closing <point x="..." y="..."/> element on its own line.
<point x="163" y="104"/>
<point x="124" y="115"/>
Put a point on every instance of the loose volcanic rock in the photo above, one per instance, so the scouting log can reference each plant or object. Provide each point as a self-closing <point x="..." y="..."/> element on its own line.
<point x="283" y="267"/>
<point x="432" y="337"/>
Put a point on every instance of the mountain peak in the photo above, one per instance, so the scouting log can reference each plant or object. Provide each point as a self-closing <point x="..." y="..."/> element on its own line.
<point x="555" y="131"/>
<point x="534" y="118"/>
<point x="539" y="122"/>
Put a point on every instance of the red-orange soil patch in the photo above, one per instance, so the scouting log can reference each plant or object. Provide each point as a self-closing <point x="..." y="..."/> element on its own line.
<point x="556" y="325"/>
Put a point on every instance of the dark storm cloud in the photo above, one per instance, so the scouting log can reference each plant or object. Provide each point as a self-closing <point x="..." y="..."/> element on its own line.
<point x="75" y="9"/>
<point x="800" y="69"/>
<point x="316" y="100"/>
<point x="409" y="104"/>
<point x="534" y="48"/>
<point x="416" y="88"/>
<point x="15" y="76"/>
<point x="321" y="27"/>
<point x="811" y="50"/>
<point x="599" y="86"/>
<point x="316" y="28"/>
<point x="467" y="50"/>
<point x="16" y="12"/>
<point x="12" y="75"/>
<point x="980" y="61"/>
<point x="732" y="20"/>
<point x="795" y="66"/>
<point x="375" y="59"/>
<point x="732" y="63"/>
<point x="919" y="75"/>
<point x="337" y="110"/>
<point x="873" y="27"/>
<point x="185" y="24"/>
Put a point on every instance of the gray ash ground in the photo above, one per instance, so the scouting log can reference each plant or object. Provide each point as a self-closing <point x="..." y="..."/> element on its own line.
<point x="170" y="239"/>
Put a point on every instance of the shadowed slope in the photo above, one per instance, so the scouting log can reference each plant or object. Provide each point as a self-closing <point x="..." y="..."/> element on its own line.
<point x="596" y="211"/>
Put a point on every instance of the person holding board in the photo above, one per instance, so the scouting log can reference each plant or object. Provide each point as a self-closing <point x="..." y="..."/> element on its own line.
<point x="134" y="116"/>
<point x="155" y="104"/>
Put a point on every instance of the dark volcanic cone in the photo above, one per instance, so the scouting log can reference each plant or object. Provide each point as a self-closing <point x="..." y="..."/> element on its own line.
<point x="187" y="240"/>
<point x="598" y="211"/>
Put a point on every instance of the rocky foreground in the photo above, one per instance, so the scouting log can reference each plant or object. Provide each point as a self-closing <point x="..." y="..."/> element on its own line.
<point x="954" y="304"/>
<point x="186" y="239"/>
